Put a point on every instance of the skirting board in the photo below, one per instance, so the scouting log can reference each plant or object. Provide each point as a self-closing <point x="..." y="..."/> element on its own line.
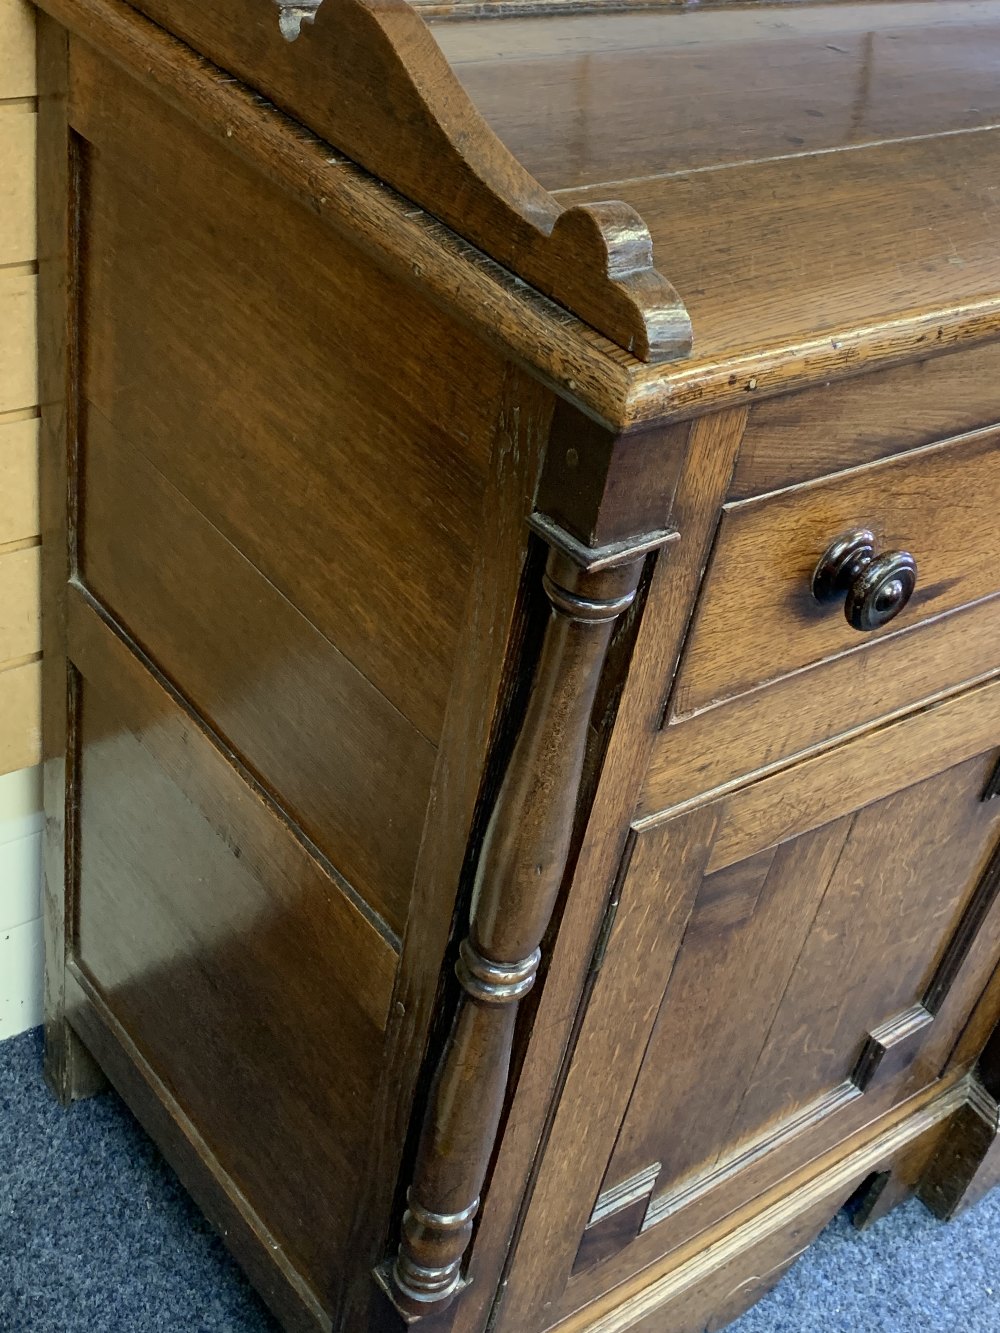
<point x="21" y="952"/>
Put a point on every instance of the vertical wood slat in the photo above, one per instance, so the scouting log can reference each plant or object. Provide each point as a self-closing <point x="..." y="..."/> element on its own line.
<point x="18" y="340"/>
<point x="19" y="517"/>
<point x="20" y="714"/>
<point x="18" y="238"/>
<point x="19" y="680"/>
<point x="19" y="618"/>
<point x="17" y="49"/>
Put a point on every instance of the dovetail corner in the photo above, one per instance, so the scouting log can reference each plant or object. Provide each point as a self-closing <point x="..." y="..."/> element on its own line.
<point x="292" y="16"/>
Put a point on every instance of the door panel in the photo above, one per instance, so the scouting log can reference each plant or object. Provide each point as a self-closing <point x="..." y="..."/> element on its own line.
<point x="807" y="973"/>
<point x="791" y="961"/>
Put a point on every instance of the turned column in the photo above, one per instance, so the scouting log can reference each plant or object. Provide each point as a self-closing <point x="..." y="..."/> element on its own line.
<point x="517" y="881"/>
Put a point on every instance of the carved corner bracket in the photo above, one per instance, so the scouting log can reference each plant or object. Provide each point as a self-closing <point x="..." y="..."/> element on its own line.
<point x="390" y="100"/>
<point x="517" y="881"/>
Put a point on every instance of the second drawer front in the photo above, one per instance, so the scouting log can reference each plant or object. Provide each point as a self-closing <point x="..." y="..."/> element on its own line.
<point x="757" y="619"/>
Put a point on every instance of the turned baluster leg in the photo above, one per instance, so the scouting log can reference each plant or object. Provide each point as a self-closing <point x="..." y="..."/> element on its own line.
<point x="517" y="881"/>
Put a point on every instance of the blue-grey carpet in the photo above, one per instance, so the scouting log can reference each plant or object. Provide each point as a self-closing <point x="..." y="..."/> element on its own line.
<point x="97" y="1236"/>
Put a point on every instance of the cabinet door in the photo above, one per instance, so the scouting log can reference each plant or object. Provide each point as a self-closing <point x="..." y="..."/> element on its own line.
<point x="788" y="963"/>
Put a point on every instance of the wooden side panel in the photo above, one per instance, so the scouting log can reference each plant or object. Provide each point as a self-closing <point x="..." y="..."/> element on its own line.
<point x="345" y="764"/>
<point x="240" y="968"/>
<point x="304" y="403"/>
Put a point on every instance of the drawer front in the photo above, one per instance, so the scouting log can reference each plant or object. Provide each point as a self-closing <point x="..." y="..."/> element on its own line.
<point x="757" y="619"/>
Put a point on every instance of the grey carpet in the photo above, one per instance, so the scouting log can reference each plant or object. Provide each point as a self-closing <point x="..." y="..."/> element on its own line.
<point x="97" y="1235"/>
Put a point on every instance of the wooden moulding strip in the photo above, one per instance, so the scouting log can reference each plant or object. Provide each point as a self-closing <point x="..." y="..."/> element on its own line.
<point x="757" y="815"/>
<point x="831" y="1177"/>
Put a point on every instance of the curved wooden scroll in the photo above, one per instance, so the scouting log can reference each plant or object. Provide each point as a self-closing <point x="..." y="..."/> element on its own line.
<point x="517" y="880"/>
<point x="396" y="107"/>
<point x="368" y="76"/>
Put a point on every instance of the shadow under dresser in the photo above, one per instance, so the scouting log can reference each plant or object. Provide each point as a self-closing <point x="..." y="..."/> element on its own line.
<point x="522" y="649"/>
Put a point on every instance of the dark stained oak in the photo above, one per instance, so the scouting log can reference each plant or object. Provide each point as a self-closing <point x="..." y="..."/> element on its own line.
<point x="297" y="432"/>
<point x="718" y="88"/>
<point x="69" y="1069"/>
<point x="312" y="728"/>
<point x="831" y="427"/>
<point x="397" y="110"/>
<point x="520" y="870"/>
<point x="759" y="588"/>
<point x="509" y="898"/>
<point x="234" y="929"/>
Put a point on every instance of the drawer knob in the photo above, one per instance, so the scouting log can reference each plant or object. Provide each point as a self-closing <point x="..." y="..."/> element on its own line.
<point x="877" y="586"/>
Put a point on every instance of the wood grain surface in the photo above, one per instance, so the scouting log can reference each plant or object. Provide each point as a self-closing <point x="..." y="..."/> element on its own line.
<point x="18" y="335"/>
<point x="753" y="733"/>
<point x="936" y="503"/>
<point x="18" y="129"/>
<point x="19" y="517"/>
<point x="594" y="99"/>
<point x="287" y="417"/>
<point x="309" y="725"/>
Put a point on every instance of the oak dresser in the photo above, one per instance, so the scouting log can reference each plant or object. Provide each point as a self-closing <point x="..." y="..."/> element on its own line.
<point x="522" y="648"/>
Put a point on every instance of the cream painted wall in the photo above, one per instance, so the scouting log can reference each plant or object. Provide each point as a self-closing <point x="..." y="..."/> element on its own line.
<point x="20" y="820"/>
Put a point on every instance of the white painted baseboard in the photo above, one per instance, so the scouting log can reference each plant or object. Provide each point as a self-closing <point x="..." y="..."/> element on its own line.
<point x="21" y="953"/>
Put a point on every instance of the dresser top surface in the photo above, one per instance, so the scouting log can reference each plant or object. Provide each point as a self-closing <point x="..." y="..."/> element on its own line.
<point x="808" y="173"/>
<point x="818" y="181"/>
<point x="597" y="99"/>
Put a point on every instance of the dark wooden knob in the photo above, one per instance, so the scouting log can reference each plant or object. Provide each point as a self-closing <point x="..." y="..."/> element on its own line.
<point x="877" y="587"/>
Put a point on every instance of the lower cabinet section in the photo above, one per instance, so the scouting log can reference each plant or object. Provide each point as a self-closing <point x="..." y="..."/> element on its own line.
<point x="239" y="968"/>
<point x="790" y="962"/>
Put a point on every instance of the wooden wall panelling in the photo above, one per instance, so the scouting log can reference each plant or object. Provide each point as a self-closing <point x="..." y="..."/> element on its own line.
<point x="20" y="716"/>
<point x="19" y="516"/>
<point x="19" y="521"/>
<point x="17" y="182"/>
<point x="18" y="339"/>
<point x="20" y="631"/>
<point x="558" y="1192"/>
<point x="17" y="49"/>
